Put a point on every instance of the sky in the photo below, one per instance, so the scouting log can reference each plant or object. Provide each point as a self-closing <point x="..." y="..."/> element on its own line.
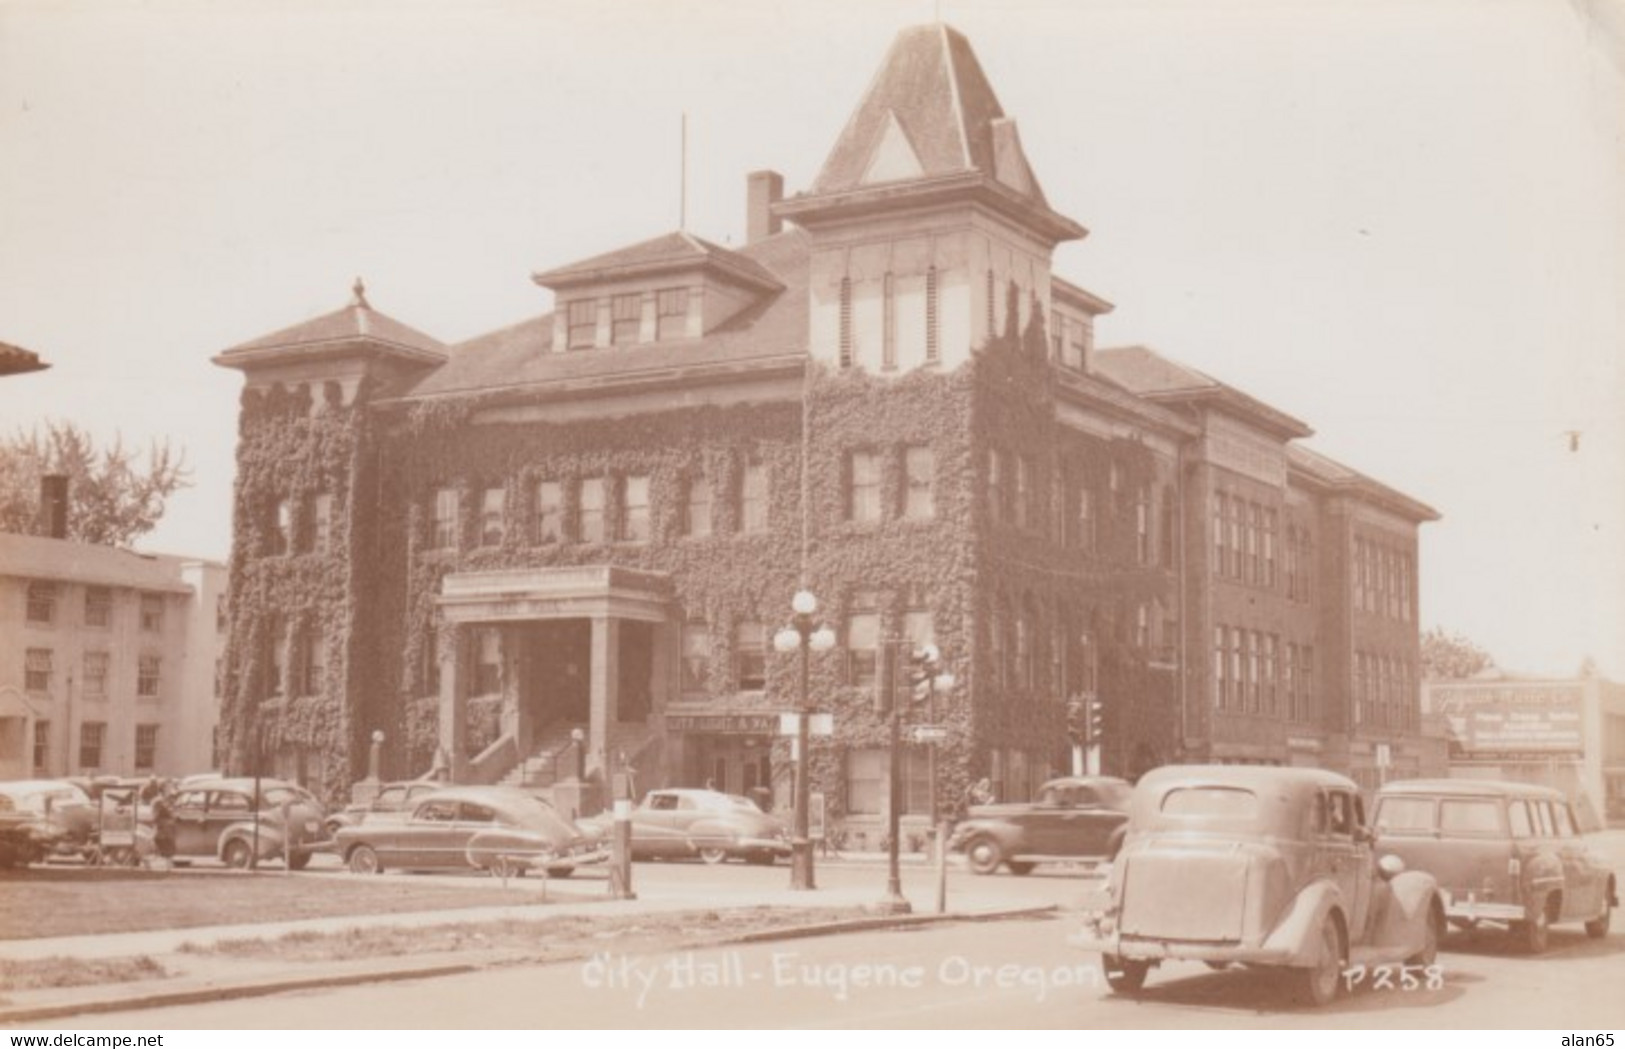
<point x="1402" y="221"/>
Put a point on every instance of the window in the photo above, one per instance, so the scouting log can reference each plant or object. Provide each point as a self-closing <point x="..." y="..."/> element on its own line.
<point x="1268" y="683"/>
<point x="919" y="469"/>
<point x="146" y="747"/>
<point x="1221" y="680"/>
<point x="493" y="501"/>
<point x="95" y="682"/>
<point x="146" y="680"/>
<point x="1142" y="628"/>
<point x="279" y="657"/>
<point x="1142" y="526"/>
<point x="1233" y="513"/>
<point x="37" y="670"/>
<point x="635" y="509"/>
<point x="933" y="351"/>
<point x="1221" y="515"/>
<point x="671" y="314"/>
<point x="1082" y="516"/>
<point x="429" y="665"/>
<point x="1166" y="531"/>
<point x="626" y="319"/>
<point x="888" y="323"/>
<point x="313" y="672"/>
<point x="92" y="734"/>
<point x="1306" y="680"/>
<point x="1289" y="682"/>
<point x="1253" y="647"/>
<point x="845" y="359"/>
<point x="321" y="522"/>
<point x="42" y="744"/>
<point x="488" y="665"/>
<point x="444" y="536"/>
<point x="863" y="495"/>
<point x="992" y="304"/>
<point x="1469" y="817"/>
<point x="282" y="533"/>
<point x="862" y="643"/>
<point x="152" y="613"/>
<point x="866" y="781"/>
<point x="995" y="484"/>
<point x="753" y="498"/>
<point x="1023" y="491"/>
<point x="590" y="513"/>
<point x="582" y="318"/>
<point x="696" y="656"/>
<point x="41" y="602"/>
<point x="98" y="606"/>
<point x="549" y="512"/>
<point x="697" y="506"/>
<point x="1238" y="683"/>
<point x="750" y="654"/>
<point x="1024" y="647"/>
<point x="1269" y="548"/>
<point x="1252" y="526"/>
<point x="996" y="658"/>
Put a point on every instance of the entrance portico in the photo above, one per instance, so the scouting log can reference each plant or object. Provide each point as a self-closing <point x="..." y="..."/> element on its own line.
<point x="587" y="644"/>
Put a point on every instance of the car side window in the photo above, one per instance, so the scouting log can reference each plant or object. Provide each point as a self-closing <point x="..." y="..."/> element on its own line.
<point x="192" y="799"/>
<point x="437" y="811"/>
<point x="1342" y="814"/>
<point x="1565" y="820"/>
<point x="1318" y="821"/>
<point x="228" y="801"/>
<point x="1085" y="797"/>
<point x="686" y="804"/>
<point x="1518" y="817"/>
<point x="391" y="796"/>
<point x="1543" y="819"/>
<point x="472" y="813"/>
<point x="663" y="802"/>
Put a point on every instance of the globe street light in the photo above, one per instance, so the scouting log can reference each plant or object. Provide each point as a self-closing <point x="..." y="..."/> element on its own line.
<point x="805" y="635"/>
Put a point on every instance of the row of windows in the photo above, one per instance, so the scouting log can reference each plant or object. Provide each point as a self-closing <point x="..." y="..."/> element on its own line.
<point x="1014" y="484"/>
<point x="44" y="597"/>
<point x="593" y="510"/>
<point x="1381" y="578"/>
<point x="915" y="329"/>
<point x="865" y="490"/>
<point x="316" y="535"/>
<point x="298" y="661"/>
<point x="1299" y="564"/>
<point x="1256" y="673"/>
<point x="92" y="745"/>
<point x="39" y="670"/>
<point x="1244" y="535"/>
<point x="670" y="305"/>
<point x="1385" y="691"/>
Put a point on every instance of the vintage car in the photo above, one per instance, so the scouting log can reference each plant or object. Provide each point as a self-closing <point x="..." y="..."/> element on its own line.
<point x="1503" y="853"/>
<point x="683" y="822"/>
<point x="504" y="830"/>
<point x="391" y="797"/>
<point x="1264" y="866"/>
<point x="1074" y="818"/>
<point x="59" y="816"/>
<point x="226" y="820"/>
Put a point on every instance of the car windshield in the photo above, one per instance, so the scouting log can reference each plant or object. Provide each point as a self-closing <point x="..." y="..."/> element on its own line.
<point x="1405" y="816"/>
<point x="1224" y="803"/>
<point x="1481" y="818"/>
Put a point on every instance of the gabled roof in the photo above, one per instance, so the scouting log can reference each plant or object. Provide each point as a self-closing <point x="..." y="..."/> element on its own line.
<point x="14" y="360"/>
<point x="931" y="94"/>
<point x="520" y="358"/>
<point x="1143" y="371"/>
<point x="664" y="254"/>
<point x="356" y="325"/>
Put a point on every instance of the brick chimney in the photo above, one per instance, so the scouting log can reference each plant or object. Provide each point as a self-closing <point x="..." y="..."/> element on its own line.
<point x="763" y="189"/>
<point x="53" y="505"/>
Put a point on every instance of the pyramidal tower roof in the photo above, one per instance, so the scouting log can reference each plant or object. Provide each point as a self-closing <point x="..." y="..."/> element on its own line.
<point x="930" y="111"/>
<point x="356" y="324"/>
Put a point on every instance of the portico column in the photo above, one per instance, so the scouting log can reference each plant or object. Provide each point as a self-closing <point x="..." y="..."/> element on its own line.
<point x="516" y="719"/>
<point x="605" y="691"/>
<point x="456" y="674"/>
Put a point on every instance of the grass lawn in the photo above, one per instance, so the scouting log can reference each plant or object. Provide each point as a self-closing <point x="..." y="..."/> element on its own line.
<point x="76" y="901"/>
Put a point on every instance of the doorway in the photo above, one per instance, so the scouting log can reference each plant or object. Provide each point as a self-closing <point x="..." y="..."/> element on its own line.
<point x="558" y="686"/>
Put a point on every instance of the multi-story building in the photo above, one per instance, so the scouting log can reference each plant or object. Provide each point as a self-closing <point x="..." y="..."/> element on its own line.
<point x="593" y="521"/>
<point x="107" y="660"/>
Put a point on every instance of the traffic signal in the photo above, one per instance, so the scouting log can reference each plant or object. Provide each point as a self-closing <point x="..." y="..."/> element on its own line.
<point x="1097" y="719"/>
<point x="1076" y="727"/>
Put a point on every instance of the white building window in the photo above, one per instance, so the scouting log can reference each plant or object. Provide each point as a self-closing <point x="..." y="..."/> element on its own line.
<point x="919" y="476"/>
<point x="445" y="520"/>
<point x="863" y="494"/>
<point x="147" y="676"/>
<point x="493" y="507"/>
<point x="635" y="509"/>
<point x="590" y="518"/>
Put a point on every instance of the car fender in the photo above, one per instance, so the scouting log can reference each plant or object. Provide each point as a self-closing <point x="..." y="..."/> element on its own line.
<point x="711" y="833"/>
<point x="1004" y="833"/>
<point x="1296" y="934"/>
<point x="1401" y="924"/>
<point x="270" y="836"/>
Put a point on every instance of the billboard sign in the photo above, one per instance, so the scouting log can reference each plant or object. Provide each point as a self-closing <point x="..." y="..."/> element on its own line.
<point x="1495" y="720"/>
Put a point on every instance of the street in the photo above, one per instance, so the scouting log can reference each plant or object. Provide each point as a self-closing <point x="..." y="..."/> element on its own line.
<point x="1014" y="973"/>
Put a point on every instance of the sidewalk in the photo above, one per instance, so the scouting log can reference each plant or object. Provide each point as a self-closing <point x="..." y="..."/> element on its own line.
<point x="198" y="978"/>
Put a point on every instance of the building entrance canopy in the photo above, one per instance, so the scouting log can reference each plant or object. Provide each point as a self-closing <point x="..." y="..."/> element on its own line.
<point x="591" y="592"/>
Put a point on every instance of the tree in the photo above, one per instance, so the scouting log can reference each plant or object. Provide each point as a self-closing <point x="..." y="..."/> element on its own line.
<point x="112" y="498"/>
<point x="1451" y="656"/>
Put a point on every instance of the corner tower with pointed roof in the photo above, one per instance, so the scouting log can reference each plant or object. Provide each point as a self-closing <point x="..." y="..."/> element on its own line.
<point x="924" y="216"/>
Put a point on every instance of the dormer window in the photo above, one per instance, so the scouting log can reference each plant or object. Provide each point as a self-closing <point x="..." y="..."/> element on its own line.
<point x="626" y="319"/>
<point x="583" y="324"/>
<point x="671" y="320"/>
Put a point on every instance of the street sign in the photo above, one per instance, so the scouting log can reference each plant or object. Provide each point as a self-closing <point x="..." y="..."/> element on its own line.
<point x="929" y="734"/>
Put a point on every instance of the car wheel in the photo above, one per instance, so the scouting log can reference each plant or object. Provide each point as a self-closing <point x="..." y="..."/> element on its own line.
<point x="713" y="854"/>
<point x="1319" y="983"/>
<point x="363" y="859"/>
<point x="506" y="867"/>
<point x="984" y="856"/>
<point x="237" y="854"/>
<point x="1534" y="933"/>
<point x="1597" y="927"/>
<point x="298" y="861"/>
<point x="560" y="872"/>
<point x="1124" y="975"/>
<point x="1020" y="867"/>
<point x="1430" y="944"/>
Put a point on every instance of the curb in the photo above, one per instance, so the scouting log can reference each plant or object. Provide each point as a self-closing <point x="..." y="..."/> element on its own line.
<point x="265" y="986"/>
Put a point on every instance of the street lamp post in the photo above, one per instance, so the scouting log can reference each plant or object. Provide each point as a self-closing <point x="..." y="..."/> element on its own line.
<point x="806" y="635"/>
<point x="925" y="677"/>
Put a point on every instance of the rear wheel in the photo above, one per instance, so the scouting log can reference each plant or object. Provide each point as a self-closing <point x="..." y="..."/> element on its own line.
<point x="1020" y="867"/>
<point x="1534" y="933"/>
<point x="1124" y="975"/>
<point x="237" y="854"/>
<point x="1319" y="983"/>
<point x="984" y="855"/>
<point x="713" y="854"/>
<point x="363" y="860"/>
<point x="1430" y="946"/>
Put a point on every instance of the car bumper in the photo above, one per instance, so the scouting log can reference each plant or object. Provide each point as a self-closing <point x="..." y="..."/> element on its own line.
<point x="1177" y="950"/>
<point x="776" y="846"/>
<point x="574" y="860"/>
<point x="1468" y="909"/>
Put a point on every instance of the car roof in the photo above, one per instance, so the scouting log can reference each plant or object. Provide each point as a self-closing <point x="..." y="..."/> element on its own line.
<point x="238" y="783"/>
<point x="1263" y="777"/>
<point x="1085" y="781"/>
<point x="1483" y="788"/>
<point x="486" y="795"/>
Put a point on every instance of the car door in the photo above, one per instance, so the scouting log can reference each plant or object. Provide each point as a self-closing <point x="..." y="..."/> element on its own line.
<point x="191" y="824"/>
<point x="1581" y="884"/>
<point x="658" y="825"/>
<point x="1093" y="822"/>
<point x="1047" y="827"/>
<point x="1345" y="857"/>
<point x="423" y="837"/>
<point x="226" y="808"/>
